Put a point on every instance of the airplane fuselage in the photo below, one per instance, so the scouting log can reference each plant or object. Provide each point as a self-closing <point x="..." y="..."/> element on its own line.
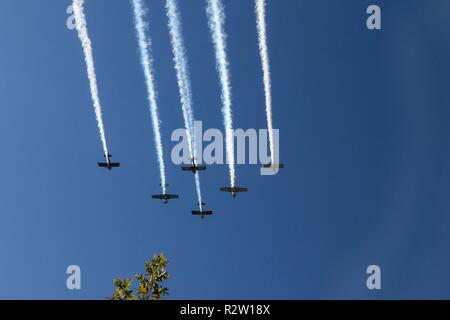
<point x="233" y="190"/>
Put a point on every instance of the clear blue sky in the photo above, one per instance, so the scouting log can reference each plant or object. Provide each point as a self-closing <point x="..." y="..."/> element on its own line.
<point x="365" y="136"/>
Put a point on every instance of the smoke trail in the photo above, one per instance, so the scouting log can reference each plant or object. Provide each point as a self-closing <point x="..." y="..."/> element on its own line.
<point x="146" y="62"/>
<point x="81" y="25"/>
<point x="216" y="19"/>
<point x="260" y="9"/>
<point x="183" y="79"/>
<point x="181" y="70"/>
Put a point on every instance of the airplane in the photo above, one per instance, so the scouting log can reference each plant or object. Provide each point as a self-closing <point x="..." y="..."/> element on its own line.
<point x="194" y="168"/>
<point x="201" y="212"/>
<point x="108" y="164"/>
<point x="165" y="197"/>
<point x="234" y="190"/>
<point x="273" y="166"/>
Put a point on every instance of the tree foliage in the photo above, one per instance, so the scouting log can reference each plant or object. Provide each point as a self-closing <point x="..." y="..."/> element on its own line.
<point x="150" y="287"/>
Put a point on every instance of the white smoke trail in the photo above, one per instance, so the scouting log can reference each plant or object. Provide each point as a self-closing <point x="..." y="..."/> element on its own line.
<point x="199" y="194"/>
<point x="216" y="21"/>
<point x="183" y="79"/>
<point x="147" y="66"/>
<point x="181" y="69"/>
<point x="260" y="9"/>
<point x="81" y="26"/>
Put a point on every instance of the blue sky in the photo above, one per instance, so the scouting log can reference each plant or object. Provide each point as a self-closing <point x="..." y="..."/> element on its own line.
<point x="363" y="119"/>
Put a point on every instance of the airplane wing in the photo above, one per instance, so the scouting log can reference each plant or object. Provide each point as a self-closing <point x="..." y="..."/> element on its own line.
<point x="192" y="168"/>
<point x="158" y="196"/>
<point x="111" y="165"/>
<point x="200" y="213"/>
<point x="275" y="166"/>
<point x="172" y="196"/>
<point x="235" y="189"/>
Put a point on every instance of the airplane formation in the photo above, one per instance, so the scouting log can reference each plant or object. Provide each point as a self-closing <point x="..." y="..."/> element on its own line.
<point x="194" y="168"/>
